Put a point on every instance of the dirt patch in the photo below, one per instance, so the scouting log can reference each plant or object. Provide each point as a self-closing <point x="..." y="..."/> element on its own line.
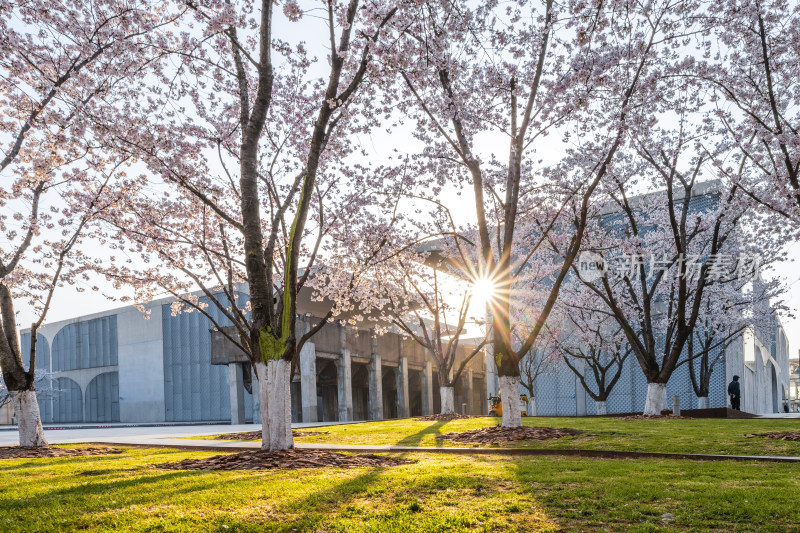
<point x="500" y="435"/>
<point x="20" y="452"/>
<point x="256" y="435"/>
<point x="653" y="417"/>
<point x="784" y="435"/>
<point x="286" y="459"/>
<point x="445" y="418"/>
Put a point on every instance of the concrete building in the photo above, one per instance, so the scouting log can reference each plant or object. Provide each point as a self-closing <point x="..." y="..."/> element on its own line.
<point x="760" y="359"/>
<point x="124" y="366"/>
<point x="132" y="367"/>
<point x="121" y="366"/>
<point x="794" y="383"/>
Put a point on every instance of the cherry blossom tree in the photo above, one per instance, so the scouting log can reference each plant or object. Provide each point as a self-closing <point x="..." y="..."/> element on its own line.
<point x="525" y="73"/>
<point x="540" y="361"/>
<point x="427" y="299"/>
<point x="753" y="78"/>
<point x="43" y="385"/>
<point x="593" y="345"/>
<point x="247" y="140"/>
<point x="665" y="250"/>
<point x="55" y="66"/>
<point x="729" y="309"/>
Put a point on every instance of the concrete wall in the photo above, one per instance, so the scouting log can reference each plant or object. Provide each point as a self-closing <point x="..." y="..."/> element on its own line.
<point x="141" y="365"/>
<point x="765" y="376"/>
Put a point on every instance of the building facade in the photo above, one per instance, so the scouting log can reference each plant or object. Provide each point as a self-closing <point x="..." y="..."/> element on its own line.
<point x="759" y="357"/>
<point x="129" y="367"/>
<point x="133" y="367"/>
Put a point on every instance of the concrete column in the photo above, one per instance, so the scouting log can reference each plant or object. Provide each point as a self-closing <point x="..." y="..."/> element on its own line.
<point x="402" y="388"/>
<point x="344" y="384"/>
<point x="375" y="388"/>
<point x="308" y="382"/>
<point x="470" y="403"/>
<point x="427" y="389"/>
<point x="236" y="388"/>
<point x="492" y="383"/>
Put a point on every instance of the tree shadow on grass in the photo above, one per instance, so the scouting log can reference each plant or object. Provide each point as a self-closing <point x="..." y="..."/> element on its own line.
<point x="378" y="497"/>
<point x="98" y="495"/>
<point x="416" y="438"/>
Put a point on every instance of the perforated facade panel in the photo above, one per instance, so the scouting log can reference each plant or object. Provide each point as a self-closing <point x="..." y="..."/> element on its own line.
<point x="68" y="401"/>
<point x="194" y="389"/>
<point x="87" y="344"/>
<point x="555" y="393"/>
<point x="102" y="398"/>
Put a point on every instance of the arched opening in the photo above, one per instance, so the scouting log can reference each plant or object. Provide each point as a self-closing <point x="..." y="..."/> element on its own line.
<point x="67" y="401"/>
<point x="784" y="399"/>
<point x="102" y="398"/>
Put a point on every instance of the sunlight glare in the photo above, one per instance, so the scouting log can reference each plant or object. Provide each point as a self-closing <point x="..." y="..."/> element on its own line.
<point x="483" y="290"/>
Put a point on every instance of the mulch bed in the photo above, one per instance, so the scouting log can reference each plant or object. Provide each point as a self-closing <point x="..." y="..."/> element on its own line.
<point x="500" y="435"/>
<point x="445" y="418"/>
<point x="285" y="459"/>
<point x="653" y="417"/>
<point x="20" y="452"/>
<point x="256" y="435"/>
<point x="785" y="435"/>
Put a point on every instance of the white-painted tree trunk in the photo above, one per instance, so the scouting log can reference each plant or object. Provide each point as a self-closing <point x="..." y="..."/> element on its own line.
<point x="447" y="400"/>
<point x="655" y="399"/>
<point x="601" y="408"/>
<point x="532" y="406"/>
<point x="702" y="402"/>
<point x="509" y="395"/>
<point x="276" y="405"/>
<point x="29" y="420"/>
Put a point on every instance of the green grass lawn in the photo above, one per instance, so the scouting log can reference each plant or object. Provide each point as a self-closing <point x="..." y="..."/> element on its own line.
<point x="603" y="433"/>
<point x="434" y="493"/>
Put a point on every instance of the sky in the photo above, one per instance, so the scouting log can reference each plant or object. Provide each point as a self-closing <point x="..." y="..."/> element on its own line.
<point x="70" y="302"/>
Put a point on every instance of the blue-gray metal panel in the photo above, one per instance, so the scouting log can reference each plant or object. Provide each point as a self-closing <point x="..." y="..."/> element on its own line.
<point x="194" y="390"/>
<point x="86" y="344"/>
<point x="102" y="398"/>
<point x="68" y="401"/>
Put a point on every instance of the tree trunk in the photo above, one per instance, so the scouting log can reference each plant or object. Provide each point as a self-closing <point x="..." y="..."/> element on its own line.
<point x="655" y="399"/>
<point x="276" y="405"/>
<point x="702" y="402"/>
<point x="532" y="406"/>
<point x="509" y="395"/>
<point x="601" y="408"/>
<point x="448" y="400"/>
<point x="26" y="408"/>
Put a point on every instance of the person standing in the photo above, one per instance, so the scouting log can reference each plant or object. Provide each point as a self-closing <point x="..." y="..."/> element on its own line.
<point x="735" y="392"/>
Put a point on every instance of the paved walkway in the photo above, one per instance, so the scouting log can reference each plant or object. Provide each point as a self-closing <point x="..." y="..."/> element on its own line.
<point x="150" y="435"/>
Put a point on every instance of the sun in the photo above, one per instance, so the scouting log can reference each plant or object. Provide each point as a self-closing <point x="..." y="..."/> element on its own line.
<point x="483" y="290"/>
